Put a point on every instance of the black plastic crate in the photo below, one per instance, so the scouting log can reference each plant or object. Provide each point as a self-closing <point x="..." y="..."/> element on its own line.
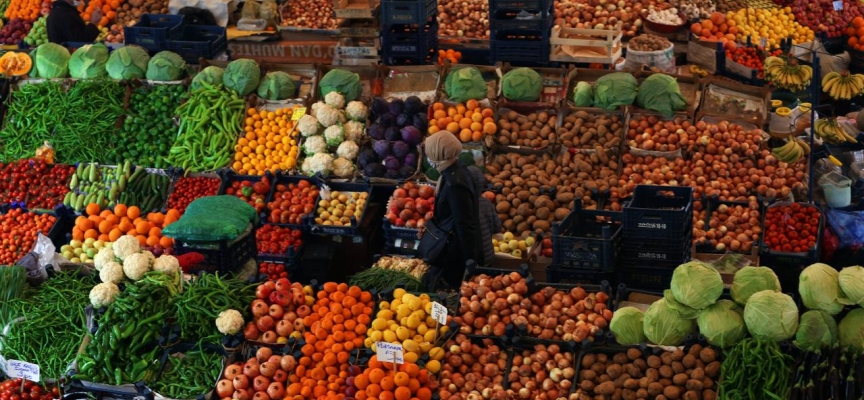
<point x="625" y="293"/>
<point x="788" y="265"/>
<point x="316" y="263"/>
<point x="540" y="21"/>
<point x="194" y="42"/>
<point x="400" y="41"/>
<point x="645" y="278"/>
<point x="408" y="12"/>
<point x="495" y="5"/>
<point x="420" y="60"/>
<point x="153" y="31"/>
<point x="658" y="252"/>
<point x="290" y="259"/>
<point x="659" y="212"/>
<point x="581" y="241"/>
<point x="223" y="256"/>
<point x="571" y="276"/>
<point x="534" y="49"/>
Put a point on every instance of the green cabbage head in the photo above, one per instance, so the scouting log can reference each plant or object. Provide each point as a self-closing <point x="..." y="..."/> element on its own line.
<point x="165" y="66"/>
<point x="660" y="92"/>
<point x="583" y="94"/>
<point x="696" y="284"/>
<point x="211" y="75"/>
<point x="851" y="330"/>
<point x="817" y="330"/>
<point x="242" y="76"/>
<point x="343" y="82"/>
<point x="819" y="287"/>
<point x="521" y="84"/>
<point x="664" y="327"/>
<point x="852" y="284"/>
<point x="277" y="85"/>
<point x="749" y="280"/>
<point x="89" y="61"/>
<point x="52" y="61"/>
<point x="128" y="62"/>
<point x="627" y="326"/>
<point x="464" y="84"/>
<point x="722" y="324"/>
<point x="615" y="90"/>
<point x="771" y="315"/>
<point x="682" y="310"/>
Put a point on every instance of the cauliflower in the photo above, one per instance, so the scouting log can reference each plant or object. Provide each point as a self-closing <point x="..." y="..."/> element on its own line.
<point x="103" y="294"/>
<point x="329" y="116"/>
<point x="136" y="265"/>
<point x="343" y="167"/>
<point x="104" y="256"/>
<point x="229" y="322"/>
<point x="334" y="135"/>
<point x="335" y="100"/>
<point x="308" y="125"/>
<point x="314" y="145"/>
<point x="150" y="256"/>
<point x="112" y="272"/>
<point x="168" y="264"/>
<point x="357" y="111"/>
<point x="319" y="163"/>
<point x="126" y="246"/>
<point x="315" y="107"/>
<point x="353" y="130"/>
<point x="348" y="149"/>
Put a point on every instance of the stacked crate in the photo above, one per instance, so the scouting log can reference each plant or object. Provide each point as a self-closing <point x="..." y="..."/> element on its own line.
<point x="409" y="31"/>
<point x="585" y="246"/>
<point x="358" y="43"/>
<point x="519" y="31"/>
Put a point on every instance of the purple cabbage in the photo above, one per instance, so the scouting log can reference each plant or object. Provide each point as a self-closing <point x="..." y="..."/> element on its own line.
<point x="403" y="119"/>
<point x="387" y="120"/>
<point x="392" y="134"/>
<point x="374" y="170"/>
<point x="413" y="105"/>
<point x="376" y="131"/>
<point x="410" y="159"/>
<point x="401" y="149"/>
<point x="406" y="172"/>
<point x="411" y="135"/>
<point x="382" y="148"/>
<point x="367" y="156"/>
<point x="392" y="163"/>
<point x="391" y="174"/>
<point x="379" y="106"/>
<point x="397" y="106"/>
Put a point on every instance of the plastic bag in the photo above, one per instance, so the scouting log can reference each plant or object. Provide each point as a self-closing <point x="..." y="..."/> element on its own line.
<point x="250" y="10"/>
<point x="35" y="262"/>
<point x="848" y="226"/>
<point x="269" y="12"/>
<point x="45" y="153"/>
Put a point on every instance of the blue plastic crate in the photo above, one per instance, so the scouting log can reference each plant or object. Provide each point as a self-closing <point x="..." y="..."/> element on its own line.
<point x="495" y="5"/>
<point x="408" y="12"/>
<point x="659" y="212"/>
<point x="199" y="41"/>
<point x="581" y="241"/>
<point x="540" y="21"/>
<point x="401" y="41"/>
<point x="153" y="31"/>
<point x="519" y="46"/>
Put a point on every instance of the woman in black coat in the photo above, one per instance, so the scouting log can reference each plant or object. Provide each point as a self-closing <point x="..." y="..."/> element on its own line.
<point x="65" y="24"/>
<point x="456" y="197"/>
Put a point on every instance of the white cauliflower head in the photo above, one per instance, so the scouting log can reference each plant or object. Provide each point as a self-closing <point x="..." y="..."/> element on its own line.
<point x="319" y="163"/>
<point x="229" y="322"/>
<point x="329" y="116"/>
<point x="168" y="264"/>
<point x="314" y="145"/>
<point x="343" y="167"/>
<point x="335" y="99"/>
<point x="126" y="246"/>
<point x="353" y="130"/>
<point x="357" y="111"/>
<point x="348" y="149"/>
<point x="103" y="294"/>
<point x="136" y="265"/>
<point x="112" y="272"/>
<point x="104" y="256"/>
<point x="149" y="255"/>
<point x="334" y="135"/>
<point x="308" y="125"/>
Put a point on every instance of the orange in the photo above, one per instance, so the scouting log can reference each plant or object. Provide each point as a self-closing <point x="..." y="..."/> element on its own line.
<point x="388" y="383"/>
<point x="453" y="127"/>
<point x="173" y="213"/>
<point x="142" y="227"/>
<point x="489" y="128"/>
<point x="84" y="223"/>
<point x="91" y="234"/>
<point x="165" y="241"/>
<point x="142" y="240"/>
<point x="472" y="104"/>
<point x="92" y="209"/>
<point x="373" y="390"/>
<point x="114" y="235"/>
<point x="476" y="136"/>
<point x="376" y="375"/>
<point x="169" y="219"/>
<point x="111" y="218"/>
<point x="465" y="135"/>
<point x="424" y="394"/>
<point x="152" y="241"/>
<point x="402" y="393"/>
<point x="156" y="218"/>
<point x="105" y="213"/>
<point x="103" y="237"/>
<point x="77" y="233"/>
<point x="133" y="212"/>
<point x="105" y="227"/>
<point x="401" y="379"/>
<point x="437" y="106"/>
<point x="412" y="370"/>
<point x="155" y="232"/>
<point x="465" y="123"/>
<point x="125" y="226"/>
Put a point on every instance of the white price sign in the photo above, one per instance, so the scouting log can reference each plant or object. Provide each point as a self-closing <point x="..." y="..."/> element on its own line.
<point x="389" y="352"/>
<point x="22" y="369"/>
<point x="439" y="313"/>
<point x="838" y="5"/>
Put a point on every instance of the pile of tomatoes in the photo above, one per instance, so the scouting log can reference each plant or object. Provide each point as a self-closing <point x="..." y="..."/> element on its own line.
<point x="292" y="202"/>
<point x="35" y="182"/>
<point x="273" y="270"/>
<point x="751" y="57"/>
<point x="188" y="189"/>
<point x="277" y="240"/>
<point x="791" y="228"/>
<point x="254" y="193"/>
<point x="18" y="233"/>
<point x="11" y="390"/>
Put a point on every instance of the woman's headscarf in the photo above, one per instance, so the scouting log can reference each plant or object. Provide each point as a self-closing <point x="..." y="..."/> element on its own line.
<point x="443" y="151"/>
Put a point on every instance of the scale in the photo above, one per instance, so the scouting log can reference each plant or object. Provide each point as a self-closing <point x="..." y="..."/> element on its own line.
<point x="407" y="244"/>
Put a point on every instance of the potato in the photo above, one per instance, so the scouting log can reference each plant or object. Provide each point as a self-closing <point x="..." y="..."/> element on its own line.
<point x="713" y="369"/>
<point x="605" y="389"/>
<point x="680" y="379"/>
<point x="671" y="392"/>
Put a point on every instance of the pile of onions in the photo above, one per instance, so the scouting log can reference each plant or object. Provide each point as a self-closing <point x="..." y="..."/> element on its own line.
<point x="601" y="14"/>
<point x="464" y="18"/>
<point x="648" y="132"/>
<point x="733" y="227"/>
<point x="575" y="315"/>
<point x="472" y="371"/>
<point x="542" y="373"/>
<point x="489" y="304"/>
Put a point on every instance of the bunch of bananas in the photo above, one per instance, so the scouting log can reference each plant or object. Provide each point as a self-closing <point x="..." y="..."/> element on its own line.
<point x="831" y="131"/>
<point x="787" y="75"/>
<point x="698" y="71"/>
<point x="792" y="151"/>
<point x="843" y="85"/>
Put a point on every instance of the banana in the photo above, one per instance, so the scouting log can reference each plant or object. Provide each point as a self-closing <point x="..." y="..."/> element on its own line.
<point x="829" y="77"/>
<point x="804" y="146"/>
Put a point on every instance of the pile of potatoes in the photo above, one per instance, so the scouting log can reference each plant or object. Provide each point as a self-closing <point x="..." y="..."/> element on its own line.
<point x="585" y="172"/>
<point x="534" y="130"/>
<point x="586" y="130"/>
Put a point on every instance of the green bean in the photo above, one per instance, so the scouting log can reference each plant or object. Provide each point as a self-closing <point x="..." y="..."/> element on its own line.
<point x="380" y="279"/>
<point x="755" y="369"/>
<point x="13" y="282"/>
<point x="216" y="294"/>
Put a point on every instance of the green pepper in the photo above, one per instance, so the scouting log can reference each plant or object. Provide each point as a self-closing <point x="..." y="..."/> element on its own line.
<point x="118" y="376"/>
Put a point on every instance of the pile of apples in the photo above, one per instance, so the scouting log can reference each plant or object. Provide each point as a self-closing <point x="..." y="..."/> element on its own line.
<point x="820" y="15"/>
<point x="261" y="377"/>
<point x="278" y="311"/>
<point x="411" y="206"/>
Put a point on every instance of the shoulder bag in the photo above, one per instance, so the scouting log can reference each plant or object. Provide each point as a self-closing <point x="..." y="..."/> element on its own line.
<point x="434" y="239"/>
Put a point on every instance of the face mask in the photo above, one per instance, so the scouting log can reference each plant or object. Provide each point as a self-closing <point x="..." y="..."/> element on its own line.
<point x="76" y="3"/>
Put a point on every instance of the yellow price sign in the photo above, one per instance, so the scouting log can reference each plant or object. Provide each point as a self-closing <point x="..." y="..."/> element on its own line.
<point x="298" y="113"/>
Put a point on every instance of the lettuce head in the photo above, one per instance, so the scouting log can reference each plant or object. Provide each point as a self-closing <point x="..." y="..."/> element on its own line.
<point x="819" y="287"/>
<point x="660" y="92"/>
<point x="521" y="84"/>
<point x="664" y="327"/>
<point x="128" y="62"/>
<point x="343" y="82"/>
<point x="851" y="330"/>
<point x="771" y="315"/>
<point x="165" y="66"/>
<point x="627" y="326"/>
<point x="749" y="280"/>
<point x="89" y="61"/>
<point x="696" y="284"/>
<point x="722" y="324"/>
<point x="242" y="76"/>
<point x="464" y="84"/>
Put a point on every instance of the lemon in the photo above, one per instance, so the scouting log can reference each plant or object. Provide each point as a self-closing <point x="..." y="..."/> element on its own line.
<point x="389" y="336"/>
<point x="429" y="336"/>
<point x="376" y="336"/>
<point x="379" y="324"/>
<point x="415" y="303"/>
<point x="413" y="322"/>
<point x="422" y="328"/>
<point x="411" y="357"/>
<point x="433" y="366"/>
<point x="424" y="297"/>
<point x="427" y="308"/>
<point x="369" y="343"/>
<point x="425" y="346"/>
<point x="393" y="326"/>
<point x="783" y="111"/>
<point x="403" y="333"/>
<point x="403" y="311"/>
<point x="410" y="345"/>
<point x="384" y="305"/>
<point x="385" y="314"/>
<point x="398" y="293"/>
<point x="395" y="304"/>
<point x="436" y="353"/>
<point x="431" y="321"/>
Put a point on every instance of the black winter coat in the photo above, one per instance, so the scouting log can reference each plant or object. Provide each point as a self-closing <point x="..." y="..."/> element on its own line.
<point x="65" y="25"/>
<point x="458" y="198"/>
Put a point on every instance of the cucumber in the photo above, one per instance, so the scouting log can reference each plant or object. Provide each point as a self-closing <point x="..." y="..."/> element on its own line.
<point x="126" y="168"/>
<point x="122" y="183"/>
<point x="74" y="182"/>
<point x="92" y="174"/>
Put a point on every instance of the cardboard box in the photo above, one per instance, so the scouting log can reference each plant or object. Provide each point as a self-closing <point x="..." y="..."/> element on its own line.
<point x="507" y="261"/>
<point x="723" y="98"/>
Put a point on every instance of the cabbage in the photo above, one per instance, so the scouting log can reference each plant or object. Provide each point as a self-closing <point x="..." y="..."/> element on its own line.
<point x="771" y="315"/>
<point x="852" y="284"/>
<point x="401" y="149"/>
<point x="614" y="90"/>
<point x="89" y="61"/>
<point x="242" y="76"/>
<point x="681" y="310"/>
<point x="464" y="84"/>
<point x="210" y="75"/>
<point x="664" y="327"/>
<point x="277" y="85"/>
<point x="343" y="82"/>
<point x="382" y="148"/>
<point x="522" y="84"/>
<point x="165" y="66"/>
<point x="696" y="284"/>
<point x="749" y="280"/>
<point x="721" y="323"/>
<point x="52" y="61"/>
<point x="583" y="94"/>
<point x="660" y="92"/>
<point x="817" y="330"/>
<point x="392" y="163"/>
<point x="851" y="330"/>
<point x="627" y="326"/>
<point x="411" y="135"/>
<point x="128" y="62"/>
<point x="819" y="287"/>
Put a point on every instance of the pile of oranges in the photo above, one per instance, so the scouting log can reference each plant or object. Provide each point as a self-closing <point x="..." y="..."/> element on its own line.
<point x="27" y="10"/>
<point x="109" y="11"/>
<point x="388" y="381"/>
<point x="469" y="122"/>
<point x="450" y="55"/>
<point x="269" y="142"/>
<point x="109" y="225"/>
<point x="855" y="31"/>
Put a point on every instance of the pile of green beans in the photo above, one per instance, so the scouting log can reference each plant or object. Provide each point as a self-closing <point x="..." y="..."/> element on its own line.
<point x="209" y="125"/>
<point x="204" y="298"/>
<point x="79" y="123"/>
<point x="54" y="323"/>
<point x="189" y="375"/>
<point x="13" y="282"/>
<point x="755" y="370"/>
<point x="381" y="279"/>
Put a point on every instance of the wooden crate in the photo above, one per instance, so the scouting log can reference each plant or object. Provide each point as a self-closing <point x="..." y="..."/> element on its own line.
<point x="355" y="9"/>
<point x="589" y="42"/>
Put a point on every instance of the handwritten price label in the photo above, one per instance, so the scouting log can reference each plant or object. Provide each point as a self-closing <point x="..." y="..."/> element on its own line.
<point x="389" y="352"/>
<point x="439" y="313"/>
<point x="838" y="5"/>
<point x="21" y="369"/>
<point x="298" y="113"/>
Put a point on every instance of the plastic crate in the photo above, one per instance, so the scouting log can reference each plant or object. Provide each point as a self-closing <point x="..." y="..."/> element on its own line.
<point x="580" y="241"/>
<point x="199" y="41"/>
<point x="645" y="278"/>
<point x="223" y="256"/>
<point x="540" y="21"/>
<point x="408" y="12"/>
<point x="415" y="43"/>
<point x="518" y="51"/>
<point x="787" y="265"/>
<point x="571" y="276"/>
<point x="657" y="253"/>
<point x="316" y="263"/>
<point x="495" y="5"/>
<point x="354" y="229"/>
<point x="153" y="31"/>
<point x="659" y="212"/>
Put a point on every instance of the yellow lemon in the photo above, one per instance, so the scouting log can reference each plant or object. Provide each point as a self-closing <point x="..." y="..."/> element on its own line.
<point x="384" y="305"/>
<point x="436" y="353"/>
<point x="385" y="314"/>
<point x="410" y="345"/>
<point x="402" y="333"/>
<point x="424" y="347"/>
<point x="411" y="357"/>
<point x="398" y="293"/>
<point x="376" y="336"/>
<point x="433" y="366"/>
<point x="422" y="328"/>
<point x="389" y="336"/>
<point x="413" y="322"/>
<point x="379" y="324"/>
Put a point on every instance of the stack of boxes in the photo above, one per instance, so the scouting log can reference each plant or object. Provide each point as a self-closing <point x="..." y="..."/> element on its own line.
<point x="409" y="32"/>
<point x="519" y="31"/>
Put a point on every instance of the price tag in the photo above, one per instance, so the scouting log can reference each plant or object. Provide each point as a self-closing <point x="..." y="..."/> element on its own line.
<point x="21" y="369"/>
<point x="389" y="352"/>
<point x="763" y="42"/>
<point x="298" y="113"/>
<point x="439" y="313"/>
<point x="838" y="5"/>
